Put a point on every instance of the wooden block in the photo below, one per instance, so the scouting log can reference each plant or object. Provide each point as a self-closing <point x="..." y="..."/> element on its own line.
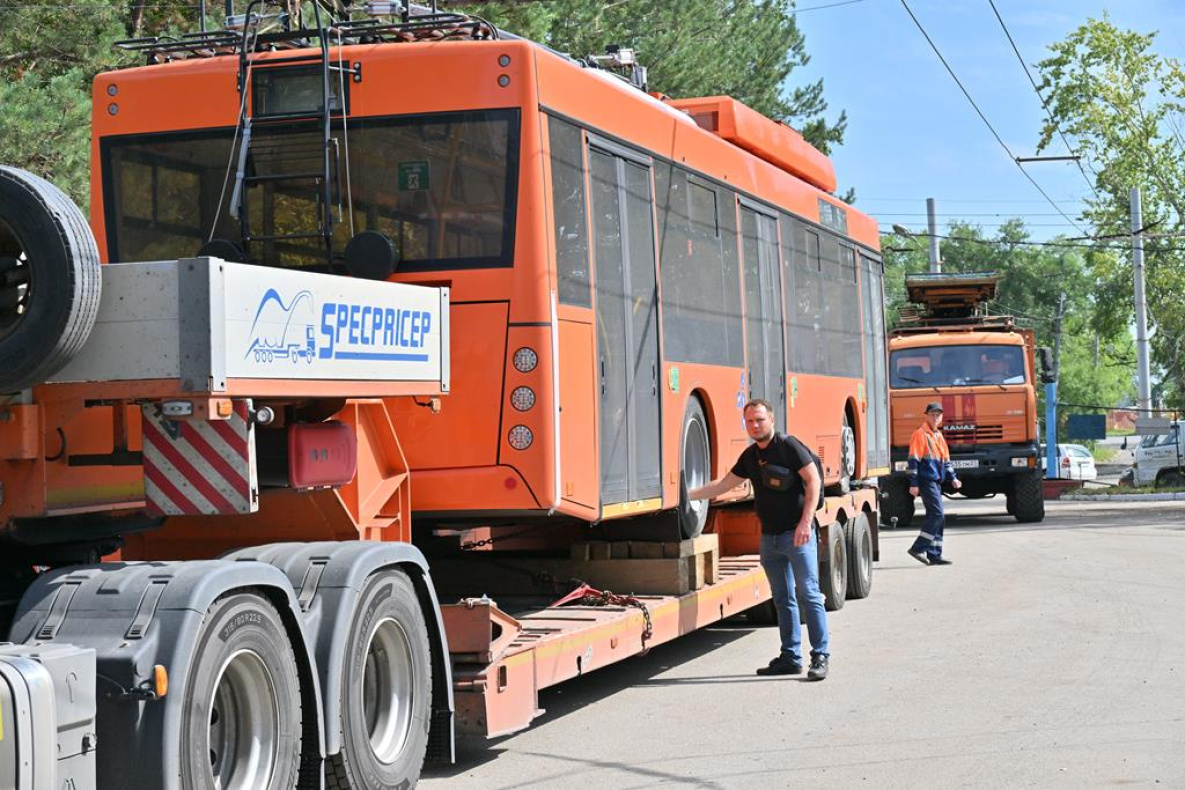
<point x="641" y="577"/>
<point x="598" y="550"/>
<point x="689" y="548"/>
<point x="712" y="567"/>
<point x="619" y="550"/>
<point x="640" y="550"/>
<point x="695" y="571"/>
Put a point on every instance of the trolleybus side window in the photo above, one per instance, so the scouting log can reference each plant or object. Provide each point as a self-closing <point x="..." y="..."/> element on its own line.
<point x="699" y="269"/>
<point x="571" y="219"/>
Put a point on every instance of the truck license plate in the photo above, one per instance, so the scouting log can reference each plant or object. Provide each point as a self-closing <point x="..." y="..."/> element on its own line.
<point x="966" y="463"/>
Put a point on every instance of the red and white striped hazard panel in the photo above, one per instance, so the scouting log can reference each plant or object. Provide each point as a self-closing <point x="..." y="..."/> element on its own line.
<point x="199" y="467"/>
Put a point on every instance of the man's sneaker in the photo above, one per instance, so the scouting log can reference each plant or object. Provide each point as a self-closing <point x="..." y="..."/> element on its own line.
<point x="818" y="669"/>
<point x="920" y="556"/>
<point x="940" y="561"/>
<point x="782" y="665"/>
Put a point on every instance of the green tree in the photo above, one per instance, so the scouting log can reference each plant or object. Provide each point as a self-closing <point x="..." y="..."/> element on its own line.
<point x="1122" y="102"/>
<point x="746" y="49"/>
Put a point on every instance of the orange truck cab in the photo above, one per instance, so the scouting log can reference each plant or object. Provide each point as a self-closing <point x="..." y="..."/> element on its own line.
<point x="982" y="369"/>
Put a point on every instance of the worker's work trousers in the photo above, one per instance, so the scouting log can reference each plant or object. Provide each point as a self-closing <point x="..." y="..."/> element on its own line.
<point x="930" y="538"/>
<point x="793" y="573"/>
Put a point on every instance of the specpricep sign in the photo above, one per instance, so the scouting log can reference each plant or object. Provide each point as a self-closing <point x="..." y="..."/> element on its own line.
<point x="288" y="324"/>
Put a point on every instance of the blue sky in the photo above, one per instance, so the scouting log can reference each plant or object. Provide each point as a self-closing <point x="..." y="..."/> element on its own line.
<point x="911" y="132"/>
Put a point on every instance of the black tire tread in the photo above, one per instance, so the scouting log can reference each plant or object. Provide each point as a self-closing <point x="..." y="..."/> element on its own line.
<point x="838" y="544"/>
<point x="337" y="768"/>
<point x="858" y="531"/>
<point x="84" y="282"/>
<point x="897" y="502"/>
<point x="1028" y="499"/>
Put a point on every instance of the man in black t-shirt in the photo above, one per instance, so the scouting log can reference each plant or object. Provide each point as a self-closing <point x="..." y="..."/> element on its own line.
<point x="784" y="479"/>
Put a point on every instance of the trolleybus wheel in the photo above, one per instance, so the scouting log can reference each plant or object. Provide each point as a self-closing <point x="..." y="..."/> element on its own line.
<point x="695" y="454"/>
<point x="833" y="568"/>
<point x="859" y="536"/>
<point x="386" y="689"/>
<point x="49" y="279"/>
<point x="847" y="456"/>
<point x="241" y="726"/>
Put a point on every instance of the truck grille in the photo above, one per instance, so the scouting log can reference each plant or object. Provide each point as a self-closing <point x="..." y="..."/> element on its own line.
<point x="980" y="434"/>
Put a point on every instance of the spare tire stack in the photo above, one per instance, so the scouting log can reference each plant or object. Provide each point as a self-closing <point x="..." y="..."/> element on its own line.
<point x="50" y="279"/>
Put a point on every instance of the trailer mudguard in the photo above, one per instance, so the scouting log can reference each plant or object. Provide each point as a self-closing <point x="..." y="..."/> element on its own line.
<point x="138" y="615"/>
<point x="329" y="578"/>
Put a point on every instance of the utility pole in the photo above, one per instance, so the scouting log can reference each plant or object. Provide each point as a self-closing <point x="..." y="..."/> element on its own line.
<point x="1051" y="469"/>
<point x="932" y="216"/>
<point x="1143" y="383"/>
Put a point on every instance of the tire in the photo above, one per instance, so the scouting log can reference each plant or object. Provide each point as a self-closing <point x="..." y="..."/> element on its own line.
<point x="242" y="722"/>
<point x="847" y="460"/>
<point x="50" y="279"/>
<point x="762" y="614"/>
<point x="897" y="503"/>
<point x="1028" y="499"/>
<point x="1173" y="478"/>
<point x="695" y="469"/>
<point x="386" y="689"/>
<point x="859" y="535"/>
<point x="833" y="568"/>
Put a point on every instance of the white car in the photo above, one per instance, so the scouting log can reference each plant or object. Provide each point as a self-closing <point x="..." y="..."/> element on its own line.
<point x="1074" y="462"/>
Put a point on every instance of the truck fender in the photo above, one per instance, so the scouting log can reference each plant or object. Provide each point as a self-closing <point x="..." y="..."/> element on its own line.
<point x="139" y="615"/>
<point x="329" y="578"/>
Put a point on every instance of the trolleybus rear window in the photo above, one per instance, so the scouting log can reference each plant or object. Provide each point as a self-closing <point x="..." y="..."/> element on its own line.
<point x="442" y="187"/>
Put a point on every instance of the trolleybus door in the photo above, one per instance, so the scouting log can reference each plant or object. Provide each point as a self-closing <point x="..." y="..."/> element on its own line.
<point x="763" y="311"/>
<point x="627" y="325"/>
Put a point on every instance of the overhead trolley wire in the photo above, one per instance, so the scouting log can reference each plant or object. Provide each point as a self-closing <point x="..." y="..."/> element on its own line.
<point x="1044" y="103"/>
<point x="983" y="117"/>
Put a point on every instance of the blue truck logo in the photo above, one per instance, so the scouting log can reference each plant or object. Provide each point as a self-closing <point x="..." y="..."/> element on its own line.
<point x="283" y="331"/>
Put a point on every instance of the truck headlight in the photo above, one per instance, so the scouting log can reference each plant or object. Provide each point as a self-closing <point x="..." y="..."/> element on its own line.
<point x="1020" y="461"/>
<point x="900" y="466"/>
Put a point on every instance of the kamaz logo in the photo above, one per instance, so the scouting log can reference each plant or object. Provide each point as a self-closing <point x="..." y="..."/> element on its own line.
<point x="348" y="331"/>
<point x="959" y="427"/>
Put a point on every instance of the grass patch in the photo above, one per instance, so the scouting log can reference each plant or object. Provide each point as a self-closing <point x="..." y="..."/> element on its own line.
<point x="1103" y="454"/>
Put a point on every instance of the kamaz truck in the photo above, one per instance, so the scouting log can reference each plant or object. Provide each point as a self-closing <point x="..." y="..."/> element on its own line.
<point x="983" y="370"/>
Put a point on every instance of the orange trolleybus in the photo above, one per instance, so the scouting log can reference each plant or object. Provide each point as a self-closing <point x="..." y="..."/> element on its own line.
<point x="383" y="267"/>
<point x="625" y="270"/>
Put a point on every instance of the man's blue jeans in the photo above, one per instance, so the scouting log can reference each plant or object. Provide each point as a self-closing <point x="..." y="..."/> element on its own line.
<point x="929" y="539"/>
<point x="793" y="573"/>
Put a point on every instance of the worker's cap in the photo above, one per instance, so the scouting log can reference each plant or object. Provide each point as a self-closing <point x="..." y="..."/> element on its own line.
<point x="935" y="406"/>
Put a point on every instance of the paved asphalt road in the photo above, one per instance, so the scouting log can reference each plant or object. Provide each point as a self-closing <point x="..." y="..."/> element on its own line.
<point x="1049" y="655"/>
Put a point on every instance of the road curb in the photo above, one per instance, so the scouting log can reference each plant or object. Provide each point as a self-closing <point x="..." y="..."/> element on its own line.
<point x="1166" y="497"/>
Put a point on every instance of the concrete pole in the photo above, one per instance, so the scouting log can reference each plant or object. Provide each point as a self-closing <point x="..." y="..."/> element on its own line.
<point x="935" y="258"/>
<point x="1051" y="467"/>
<point x="1143" y="376"/>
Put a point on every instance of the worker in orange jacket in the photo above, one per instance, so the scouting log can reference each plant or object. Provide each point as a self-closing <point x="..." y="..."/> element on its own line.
<point x="929" y="468"/>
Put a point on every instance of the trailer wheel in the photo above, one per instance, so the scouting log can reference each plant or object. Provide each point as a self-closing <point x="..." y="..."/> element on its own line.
<point x="859" y="536"/>
<point x="833" y="568"/>
<point x="49" y="279"/>
<point x="764" y="613"/>
<point x="1028" y="501"/>
<point x="386" y="689"/>
<point x="897" y="504"/>
<point x="695" y="459"/>
<point x="242" y="724"/>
